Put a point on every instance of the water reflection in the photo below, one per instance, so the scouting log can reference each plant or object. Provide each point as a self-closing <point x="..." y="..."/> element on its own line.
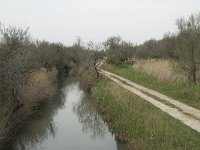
<point x="70" y="121"/>
<point x="41" y="126"/>
<point x="90" y="118"/>
<point x="92" y="122"/>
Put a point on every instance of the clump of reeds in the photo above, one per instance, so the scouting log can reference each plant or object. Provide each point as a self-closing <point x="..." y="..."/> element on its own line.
<point x="40" y="86"/>
<point x="158" y="68"/>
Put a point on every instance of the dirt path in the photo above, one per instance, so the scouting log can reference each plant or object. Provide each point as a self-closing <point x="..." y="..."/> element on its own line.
<point x="188" y="115"/>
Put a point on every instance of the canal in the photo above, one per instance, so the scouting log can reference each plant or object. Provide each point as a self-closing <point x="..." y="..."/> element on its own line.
<point x="69" y="122"/>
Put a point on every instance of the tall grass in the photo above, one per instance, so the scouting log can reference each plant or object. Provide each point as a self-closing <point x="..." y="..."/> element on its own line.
<point x="40" y="86"/>
<point x="182" y="91"/>
<point x="158" y="68"/>
<point x="140" y="123"/>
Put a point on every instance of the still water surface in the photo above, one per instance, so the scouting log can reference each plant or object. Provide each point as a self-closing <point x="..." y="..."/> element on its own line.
<point x="70" y="122"/>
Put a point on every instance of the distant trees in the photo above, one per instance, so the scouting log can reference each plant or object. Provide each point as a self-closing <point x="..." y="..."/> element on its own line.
<point x="182" y="47"/>
<point x="168" y="44"/>
<point x="118" y="51"/>
<point x="150" y="48"/>
<point x="157" y="48"/>
<point x="188" y="46"/>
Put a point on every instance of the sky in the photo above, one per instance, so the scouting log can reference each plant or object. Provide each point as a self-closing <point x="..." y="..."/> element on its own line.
<point x="96" y="20"/>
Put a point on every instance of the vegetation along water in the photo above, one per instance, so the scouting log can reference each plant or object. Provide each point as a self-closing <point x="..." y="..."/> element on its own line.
<point x="54" y="96"/>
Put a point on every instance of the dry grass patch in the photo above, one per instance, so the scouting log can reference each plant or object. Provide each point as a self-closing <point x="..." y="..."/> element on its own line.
<point x="39" y="86"/>
<point x="158" y="68"/>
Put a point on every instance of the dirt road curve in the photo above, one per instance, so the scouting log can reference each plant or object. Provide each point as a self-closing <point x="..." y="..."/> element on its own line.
<point x="188" y="115"/>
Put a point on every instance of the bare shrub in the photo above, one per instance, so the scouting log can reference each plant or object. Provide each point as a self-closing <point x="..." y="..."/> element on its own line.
<point x="85" y="60"/>
<point x="87" y="79"/>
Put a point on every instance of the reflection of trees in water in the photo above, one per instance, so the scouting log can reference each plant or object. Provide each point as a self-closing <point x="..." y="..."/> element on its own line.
<point x="42" y="126"/>
<point x="90" y="118"/>
<point x="35" y="137"/>
<point x="92" y="121"/>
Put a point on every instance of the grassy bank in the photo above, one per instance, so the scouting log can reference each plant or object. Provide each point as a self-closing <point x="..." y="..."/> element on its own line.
<point x="182" y="91"/>
<point x="144" y="126"/>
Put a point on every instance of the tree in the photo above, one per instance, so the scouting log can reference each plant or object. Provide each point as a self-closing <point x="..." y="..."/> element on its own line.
<point x="188" y="46"/>
<point x="118" y="51"/>
<point x="13" y="38"/>
<point x="13" y="43"/>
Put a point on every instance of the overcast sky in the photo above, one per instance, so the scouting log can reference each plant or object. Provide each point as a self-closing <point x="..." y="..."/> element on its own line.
<point x="95" y="20"/>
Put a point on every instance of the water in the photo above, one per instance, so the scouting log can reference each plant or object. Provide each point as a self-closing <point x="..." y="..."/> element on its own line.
<point x="70" y="122"/>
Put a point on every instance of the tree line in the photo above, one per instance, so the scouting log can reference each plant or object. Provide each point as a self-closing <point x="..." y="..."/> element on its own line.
<point x="182" y="48"/>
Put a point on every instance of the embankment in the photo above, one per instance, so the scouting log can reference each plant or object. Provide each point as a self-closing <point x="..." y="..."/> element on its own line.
<point x="180" y="90"/>
<point x="139" y="123"/>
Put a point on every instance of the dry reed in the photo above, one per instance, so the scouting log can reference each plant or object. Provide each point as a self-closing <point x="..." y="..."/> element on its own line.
<point x="40" y="86"/>
<point x="158" y="68"/>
